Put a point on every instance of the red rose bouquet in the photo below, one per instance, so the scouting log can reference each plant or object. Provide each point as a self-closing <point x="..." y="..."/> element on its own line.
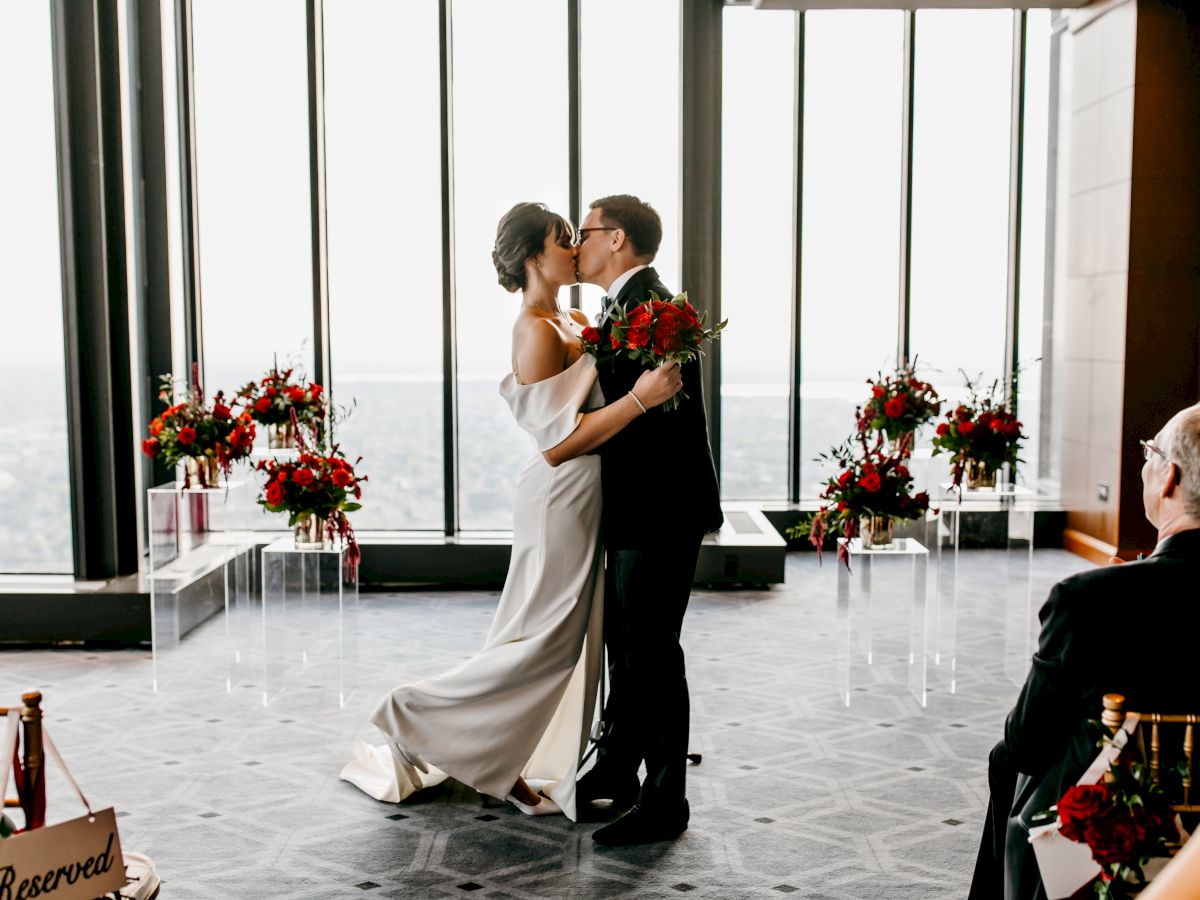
<point x="273" y="399"/>
<point x="980" y="435"/>
<point x="900" y="404"/>
<point x="1124" y="821"/>
<point x="316" y="491"/>
<point x="653" y="333"/>
<point x="210" y="438"/>
<point x="873" y="487"/>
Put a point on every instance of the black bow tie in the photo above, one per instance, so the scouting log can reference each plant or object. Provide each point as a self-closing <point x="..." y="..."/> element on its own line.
<point x="606" y="303"/>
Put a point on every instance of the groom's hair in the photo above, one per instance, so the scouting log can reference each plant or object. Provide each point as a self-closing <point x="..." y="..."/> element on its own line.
<point x="638" y="219"/>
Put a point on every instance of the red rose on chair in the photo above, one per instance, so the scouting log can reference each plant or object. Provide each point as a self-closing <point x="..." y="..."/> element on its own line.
<point x="1112" y="836"/>
<point x="1080" y="803"/>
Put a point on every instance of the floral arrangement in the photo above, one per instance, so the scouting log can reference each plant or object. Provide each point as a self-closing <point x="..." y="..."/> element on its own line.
<point x="900" y="404"/>
<point x="653" y="333"/>
<point x="272" y="400"/>
<point x="980" y="435"/>
<point x="871" y="484"/>
<point x="315" y="486"/>
<point x="1124" y="821"/>
<point x="191" y="430"/>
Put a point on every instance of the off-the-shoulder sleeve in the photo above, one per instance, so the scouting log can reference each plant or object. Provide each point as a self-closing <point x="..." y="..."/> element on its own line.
<point x="550" y="410"/>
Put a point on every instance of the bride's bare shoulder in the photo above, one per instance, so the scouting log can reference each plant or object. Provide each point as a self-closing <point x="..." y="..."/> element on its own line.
<point x="537" y="348"/>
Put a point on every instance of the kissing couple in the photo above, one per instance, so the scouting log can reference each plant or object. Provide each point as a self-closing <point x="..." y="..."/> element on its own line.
<point x="513" y="721"/>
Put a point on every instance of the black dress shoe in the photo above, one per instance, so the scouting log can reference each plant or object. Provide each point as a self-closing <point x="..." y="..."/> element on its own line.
<point x="639" y="826"/>
<point x="623" y="792"/>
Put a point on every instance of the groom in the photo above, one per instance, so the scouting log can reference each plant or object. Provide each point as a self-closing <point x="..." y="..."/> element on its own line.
<point x="660" y="499"/>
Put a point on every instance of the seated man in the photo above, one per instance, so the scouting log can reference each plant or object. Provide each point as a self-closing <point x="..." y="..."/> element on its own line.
<point x="1124" y="629"/>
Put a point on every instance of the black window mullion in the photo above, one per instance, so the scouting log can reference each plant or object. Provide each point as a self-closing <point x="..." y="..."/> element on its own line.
<point x="449" y="314"/>
<point x="795" y="404"/>
<point x="908" y="84"/>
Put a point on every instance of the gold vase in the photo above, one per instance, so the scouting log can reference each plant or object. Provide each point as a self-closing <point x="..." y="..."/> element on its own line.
<point x="877" y="532"/>
<point x="978" y="477"/>
<point x="203" y="471"/>
<point x="281" y="436"/>
<point x="309" y="532"/>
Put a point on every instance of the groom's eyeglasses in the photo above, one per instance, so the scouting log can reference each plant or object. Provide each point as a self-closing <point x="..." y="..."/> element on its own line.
<point x="581" y="234"/>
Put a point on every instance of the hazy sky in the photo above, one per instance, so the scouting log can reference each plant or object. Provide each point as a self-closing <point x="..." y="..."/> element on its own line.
<point x="510" y="126"/>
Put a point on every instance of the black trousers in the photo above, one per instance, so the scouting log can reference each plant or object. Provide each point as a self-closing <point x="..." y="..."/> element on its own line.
<point x="1006" y="868"/>
<point x="646" y="715"/>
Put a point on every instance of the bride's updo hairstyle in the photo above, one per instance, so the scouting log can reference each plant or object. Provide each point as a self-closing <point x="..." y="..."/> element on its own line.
<point x="521" y="236"/>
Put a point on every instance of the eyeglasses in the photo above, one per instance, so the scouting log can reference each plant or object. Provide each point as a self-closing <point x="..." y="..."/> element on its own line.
<point x="581" y="234"/>
<point x="1148" y="448"/>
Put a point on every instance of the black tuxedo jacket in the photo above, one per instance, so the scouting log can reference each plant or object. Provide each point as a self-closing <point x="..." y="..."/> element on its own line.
<point x="1126" y="629"/>
<point x="660" y="458"/>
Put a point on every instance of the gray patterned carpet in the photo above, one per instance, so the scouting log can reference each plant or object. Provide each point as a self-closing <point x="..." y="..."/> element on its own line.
<point x="797" y="794"/>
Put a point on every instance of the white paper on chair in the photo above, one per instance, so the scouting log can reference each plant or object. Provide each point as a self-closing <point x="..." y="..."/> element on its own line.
<point x="1067" y="865"/>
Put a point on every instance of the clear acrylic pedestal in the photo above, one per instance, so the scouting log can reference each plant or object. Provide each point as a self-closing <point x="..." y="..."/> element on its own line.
<point x="877" y="575"/>
<point x="309" y="624"/>
<point x="1016" y="506"/>
<point x="200" y="562"/>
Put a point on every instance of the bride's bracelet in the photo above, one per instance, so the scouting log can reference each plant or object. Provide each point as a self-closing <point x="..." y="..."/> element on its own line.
<point x="641" y="406"/>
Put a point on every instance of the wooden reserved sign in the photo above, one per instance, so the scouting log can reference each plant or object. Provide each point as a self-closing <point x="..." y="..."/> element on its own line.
<point x="75" y="860"/>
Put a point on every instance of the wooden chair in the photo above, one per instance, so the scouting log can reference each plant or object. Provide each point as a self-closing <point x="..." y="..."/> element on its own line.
<point x="1113" y="718"/>
<point x="33" y="758"/>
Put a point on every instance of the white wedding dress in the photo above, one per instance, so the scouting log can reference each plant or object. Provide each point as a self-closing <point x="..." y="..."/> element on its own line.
<point x="523" y="705"/>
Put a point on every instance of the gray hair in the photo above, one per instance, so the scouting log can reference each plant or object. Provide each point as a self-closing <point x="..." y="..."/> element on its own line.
<point x="1181" y="443"/>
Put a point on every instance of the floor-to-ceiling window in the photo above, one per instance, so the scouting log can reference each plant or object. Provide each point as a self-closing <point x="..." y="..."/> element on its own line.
<point x="757" y="256"/>
<point x="629" y="115"/>
<point x="250" y="82"/>
<point x="35" y="512"/>
<point x="962" y="128"/>
<point x="510" y="145"/>
<point x="850" y="245"/>
<point x="383" y="143"/>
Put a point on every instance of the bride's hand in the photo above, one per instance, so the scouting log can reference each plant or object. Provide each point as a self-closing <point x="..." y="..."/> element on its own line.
<point x="656" y="386"/>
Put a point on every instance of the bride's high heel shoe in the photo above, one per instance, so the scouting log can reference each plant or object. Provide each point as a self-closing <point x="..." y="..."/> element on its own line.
<point x="545" y="806"/>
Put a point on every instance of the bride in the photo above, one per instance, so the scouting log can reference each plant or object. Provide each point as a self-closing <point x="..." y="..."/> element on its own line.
<point x="513" y="720"/>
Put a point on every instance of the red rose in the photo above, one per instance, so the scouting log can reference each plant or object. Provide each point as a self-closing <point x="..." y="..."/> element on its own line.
<point x="637" y="338"/>
<point x="303" y="477"/>
<point x="998" y="425"/>
<point x="1112" y="835"/>
<point x="315" y="390"/>
<point x="237" y="438"/>
<point x="296" y="395"/>
<point x="965" y="428"/>
<point x="962" y="414"/>
<point x="263" y="404"/>
<point x="841" y="506"/>
<point x="942" y="428"/>
<point x="275" y="493"/>
<point x="894" y="408"/>
<point x="667" y="343"/>
<point x="902" y="471"/>
<point x="150" y="446"/>
<point x="878" y="391"/>
<point x="156" y="427"/>
<point x="281" y="475"/>
<point x="1014" y="428"/>
<point x="845" y="478"/>
<point x="870" y="482"/>
<point x="341" y="477"/>
<point x="590" y="335"/>
<point x="1155" y="820"/>
<point x="1080" y="803"/>
<point x="221" y="411"/>
<point x="615" y="341"/>
<point x="271" y="392"/>
<point x="187" y="435"/>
